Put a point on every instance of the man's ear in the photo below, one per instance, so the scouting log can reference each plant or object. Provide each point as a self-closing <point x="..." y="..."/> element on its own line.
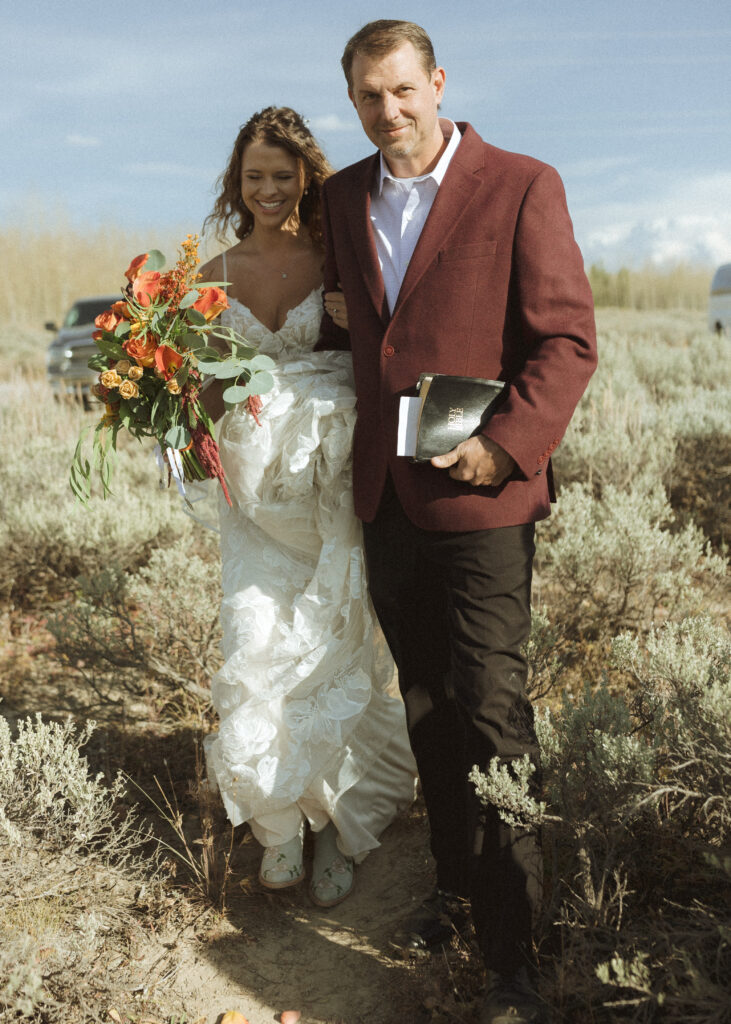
<point x="351" y="97"/>
<point x="439" y="77"/>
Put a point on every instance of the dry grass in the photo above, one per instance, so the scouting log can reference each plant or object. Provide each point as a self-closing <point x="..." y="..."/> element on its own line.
<point x="48" y="263"/>
<point x="683" y="286"/>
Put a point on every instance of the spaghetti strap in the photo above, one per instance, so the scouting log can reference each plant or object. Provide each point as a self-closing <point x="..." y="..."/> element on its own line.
<point x="225" y="275"/>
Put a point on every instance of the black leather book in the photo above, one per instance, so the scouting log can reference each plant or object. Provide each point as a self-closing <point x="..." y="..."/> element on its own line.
<point x="451" y="410"/>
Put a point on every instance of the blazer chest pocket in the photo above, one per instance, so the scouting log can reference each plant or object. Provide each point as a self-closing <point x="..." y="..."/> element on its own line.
<point x="471" y="251"/>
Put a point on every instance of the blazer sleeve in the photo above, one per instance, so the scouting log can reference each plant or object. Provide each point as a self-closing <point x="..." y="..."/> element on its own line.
<point x="553" y="309"/>
<point x="331" y="336"/>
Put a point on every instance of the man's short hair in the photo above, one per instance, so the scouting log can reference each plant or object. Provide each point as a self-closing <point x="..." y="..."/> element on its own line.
<point x="378" y="38"/>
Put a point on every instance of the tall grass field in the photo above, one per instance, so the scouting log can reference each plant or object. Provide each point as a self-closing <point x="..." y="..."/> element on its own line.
<point x="110" y="613"/>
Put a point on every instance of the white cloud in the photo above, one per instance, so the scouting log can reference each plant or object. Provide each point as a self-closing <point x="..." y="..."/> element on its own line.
<point x="334" y="123"/>
<point x="82" y="141"/>
<point x="689" y="221"/>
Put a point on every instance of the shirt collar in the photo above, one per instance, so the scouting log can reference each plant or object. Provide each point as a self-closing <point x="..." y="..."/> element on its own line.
<point x="439" y="171"/>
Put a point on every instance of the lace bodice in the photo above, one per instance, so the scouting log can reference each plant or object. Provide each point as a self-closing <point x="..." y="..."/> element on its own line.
<point x="293" y="338"/>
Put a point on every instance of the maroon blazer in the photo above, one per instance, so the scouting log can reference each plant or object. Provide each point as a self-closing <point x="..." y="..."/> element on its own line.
<point x="495" y="288"/>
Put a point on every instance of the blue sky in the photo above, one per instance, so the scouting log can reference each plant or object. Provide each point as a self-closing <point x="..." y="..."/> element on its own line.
<point x="126" y="112"/>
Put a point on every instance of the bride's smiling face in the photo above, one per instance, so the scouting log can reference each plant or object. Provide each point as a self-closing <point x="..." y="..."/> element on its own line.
<point x="272" y="184"/>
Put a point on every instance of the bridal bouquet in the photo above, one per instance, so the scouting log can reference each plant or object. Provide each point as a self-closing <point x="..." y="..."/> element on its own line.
<point x="154" y="351"/>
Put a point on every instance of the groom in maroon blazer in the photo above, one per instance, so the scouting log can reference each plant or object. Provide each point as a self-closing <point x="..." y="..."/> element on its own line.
<point x="459" y="258"/>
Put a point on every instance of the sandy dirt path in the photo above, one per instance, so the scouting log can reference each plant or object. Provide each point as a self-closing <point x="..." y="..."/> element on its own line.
<point x="277" y="951"/>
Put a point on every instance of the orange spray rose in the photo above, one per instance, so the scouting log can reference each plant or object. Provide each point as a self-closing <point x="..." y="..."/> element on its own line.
<point x="141" y="348"/>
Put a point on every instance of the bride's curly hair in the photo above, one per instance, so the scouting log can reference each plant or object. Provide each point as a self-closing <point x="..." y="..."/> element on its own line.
<point x="277" y="126"/>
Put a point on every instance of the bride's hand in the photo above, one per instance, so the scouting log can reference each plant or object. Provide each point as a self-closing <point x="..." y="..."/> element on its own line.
<point x="336" y="308"/>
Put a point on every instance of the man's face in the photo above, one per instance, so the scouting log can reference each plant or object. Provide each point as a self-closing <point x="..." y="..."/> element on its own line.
<point x="398" y="106"/>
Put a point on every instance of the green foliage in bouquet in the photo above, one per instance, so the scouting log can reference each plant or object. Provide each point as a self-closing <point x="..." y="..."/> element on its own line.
<point x="155" y="346"/>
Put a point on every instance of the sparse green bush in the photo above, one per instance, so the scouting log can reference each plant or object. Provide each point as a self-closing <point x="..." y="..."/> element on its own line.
<point x="47" y="537"/>
<point x="153" y="631"/>
<point x="72" y="862"/>
<point x="615" y="564"/>
<point x="636" y="812"/>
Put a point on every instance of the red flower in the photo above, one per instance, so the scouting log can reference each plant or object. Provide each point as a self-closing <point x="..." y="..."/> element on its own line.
<point x="167" y="361"/>
<point x="133" y="270"/>
<point x="212" y="301"/>
<point x="146" y="287"/>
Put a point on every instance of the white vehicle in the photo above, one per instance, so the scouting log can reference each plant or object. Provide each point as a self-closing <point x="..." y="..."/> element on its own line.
<point x="719" y="303"/>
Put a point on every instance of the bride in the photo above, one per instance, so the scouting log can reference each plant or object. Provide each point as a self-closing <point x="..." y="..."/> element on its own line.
<point x="307" y="734"/>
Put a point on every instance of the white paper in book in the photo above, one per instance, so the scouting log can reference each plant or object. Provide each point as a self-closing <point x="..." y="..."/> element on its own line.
<point x="408" y="423"/>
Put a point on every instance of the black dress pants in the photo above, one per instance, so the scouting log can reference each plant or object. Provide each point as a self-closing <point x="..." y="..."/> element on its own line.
<point x="455" y="609"/>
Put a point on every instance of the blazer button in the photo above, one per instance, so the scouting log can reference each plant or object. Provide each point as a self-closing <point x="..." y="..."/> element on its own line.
<point x="389" y="351"/>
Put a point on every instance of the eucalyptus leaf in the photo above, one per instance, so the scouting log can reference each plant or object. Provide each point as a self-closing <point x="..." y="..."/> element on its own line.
<point x="262" y="362"/>
<point x="261" y="382"/>
<point x="225" y="370"/>
<point x="189" y="298"/>
<point x="196" y="318"/>
<point x="122" y="328"/>
<point x="235" y="394"/>
<point x="155" y="261"/>
<point x="177" y="437"/>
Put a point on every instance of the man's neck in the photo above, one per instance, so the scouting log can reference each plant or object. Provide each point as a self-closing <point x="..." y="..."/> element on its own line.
<point x="408" y="167"/>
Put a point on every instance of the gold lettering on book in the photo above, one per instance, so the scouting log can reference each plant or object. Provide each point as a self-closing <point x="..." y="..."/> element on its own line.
<point x="455" y="419"/>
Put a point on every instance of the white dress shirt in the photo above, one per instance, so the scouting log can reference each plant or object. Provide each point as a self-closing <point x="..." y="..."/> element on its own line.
<point x="399" y="208"/>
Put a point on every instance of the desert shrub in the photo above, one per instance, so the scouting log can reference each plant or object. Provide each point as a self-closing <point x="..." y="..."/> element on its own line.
<point x="47" y="537"/>
<point x="617" y="440"/>
<point x="615" y="564"/>
<point x="658" y="411"/>
<point x="151" y="631"/>
<point x="636" y="812"/>
<point x="73" y="863"/>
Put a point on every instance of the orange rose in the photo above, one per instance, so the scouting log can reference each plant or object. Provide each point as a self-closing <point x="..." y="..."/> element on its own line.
<point x="167" y="361"/>
<point x="146" y="287"/>
<point x="212" y="301"/>
<point x="141" y="348"/>
<point x="107" y="320"/>
<point x="135" y="267"/>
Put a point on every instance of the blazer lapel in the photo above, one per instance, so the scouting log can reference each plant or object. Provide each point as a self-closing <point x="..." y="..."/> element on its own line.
<point x="364" y="244"/>
<point x="461" y="183"/>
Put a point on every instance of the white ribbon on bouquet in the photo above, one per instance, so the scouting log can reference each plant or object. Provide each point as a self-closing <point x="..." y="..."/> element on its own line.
<point x="175" y="463"/>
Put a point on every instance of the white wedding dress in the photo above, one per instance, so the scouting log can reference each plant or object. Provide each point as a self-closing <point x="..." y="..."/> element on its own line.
<point x="307" y="730"/>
